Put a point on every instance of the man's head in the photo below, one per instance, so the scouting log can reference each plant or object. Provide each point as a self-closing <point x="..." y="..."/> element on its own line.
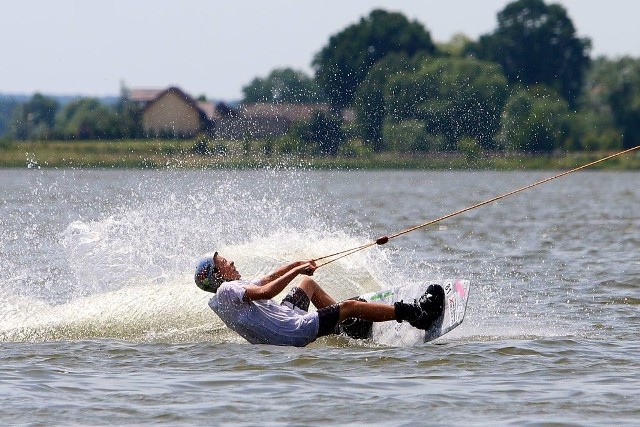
<point x="213" y="271"/>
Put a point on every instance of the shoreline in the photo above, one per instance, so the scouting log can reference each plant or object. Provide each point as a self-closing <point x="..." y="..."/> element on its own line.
<point x="179" y="154"/>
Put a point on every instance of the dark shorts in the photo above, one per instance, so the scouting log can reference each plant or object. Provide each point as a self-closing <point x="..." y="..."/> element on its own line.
<point x="328" y="316"/>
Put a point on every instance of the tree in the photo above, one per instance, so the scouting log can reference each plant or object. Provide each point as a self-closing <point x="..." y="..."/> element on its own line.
<point x="128" y="120"/>
<point x="342" y="64"/>
<point x="588" y="130"/>
<point x="283" y="85"/>
<point x="35" y="118"/>
<point x="537" y="44"/>
<point x="323" y="129"/>
<point x="624" y="99"/>
<point x="7" y="106"/>
<point x="128" y="116"/>
<point x="458" y="45"/>
<point x="369" y="104"/>
<point x="595" y="127"/>
<point x="86" y="118"/>
<point x="612" y="93"/>
<point x="534" y="120"/>
<point x="454" y="97"/>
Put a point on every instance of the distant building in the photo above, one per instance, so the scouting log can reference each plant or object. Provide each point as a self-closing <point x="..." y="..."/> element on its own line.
<point x="263" y="120"/>
<point x="173" y="113"/>
<point x="142" y="96"/>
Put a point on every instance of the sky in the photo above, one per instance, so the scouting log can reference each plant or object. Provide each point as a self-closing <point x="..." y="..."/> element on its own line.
<point x="215" y="48"/>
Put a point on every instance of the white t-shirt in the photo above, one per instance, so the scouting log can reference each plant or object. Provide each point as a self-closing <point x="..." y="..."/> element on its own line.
<point x="263" y="321"/>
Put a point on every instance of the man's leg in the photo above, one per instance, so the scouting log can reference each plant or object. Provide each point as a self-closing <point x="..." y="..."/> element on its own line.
<point x="359" y="316"/>
<point x="318" y="296"/>
<point x="420" y="314"/>
<point x="373" y="311"/>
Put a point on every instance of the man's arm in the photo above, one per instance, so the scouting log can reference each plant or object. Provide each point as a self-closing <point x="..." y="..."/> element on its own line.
<point x="281" y="271"/>
<point x="275" y="282"/>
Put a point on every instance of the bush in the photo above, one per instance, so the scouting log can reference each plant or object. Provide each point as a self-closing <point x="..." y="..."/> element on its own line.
<point x="534" y="120"/>
<point x="408" y="136"/>
<point x="201" y="147"/>
<point x="400" y="137"/>
<point x="289" y="144"/>
<point x="354" y="148"/>
<point x="469" y="147"/>
<point x="266" y="146"/>
<point x="323" y="132"/>
<point x="589" y="130"/>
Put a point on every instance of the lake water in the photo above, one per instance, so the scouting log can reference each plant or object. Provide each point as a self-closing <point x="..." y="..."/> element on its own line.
<point x="100" y="322"/>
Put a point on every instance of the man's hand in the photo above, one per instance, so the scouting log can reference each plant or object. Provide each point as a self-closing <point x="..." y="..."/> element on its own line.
<point x="308" y="268"/>
<point x="276" y="282"/>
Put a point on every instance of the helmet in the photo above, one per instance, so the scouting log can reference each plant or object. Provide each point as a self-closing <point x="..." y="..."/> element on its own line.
<point x="206" y="276"/>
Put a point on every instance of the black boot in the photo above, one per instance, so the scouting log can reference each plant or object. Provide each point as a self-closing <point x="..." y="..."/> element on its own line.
<point x="406" y="311"/>
<point x="422" y="313"/>
<point x="432" y="301"/>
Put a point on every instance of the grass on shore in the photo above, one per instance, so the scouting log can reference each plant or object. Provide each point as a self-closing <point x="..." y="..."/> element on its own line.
<point x="181" y="154"/>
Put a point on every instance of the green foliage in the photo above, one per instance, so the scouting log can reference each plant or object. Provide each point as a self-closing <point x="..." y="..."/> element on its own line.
<point x="534" y="119"/>
<point x="624" y="99"/>
<point x="201" y="147"/>
<point x="591" y="131"/>
<point x="537" y="44"/>
<point x="605" y="119"/>
<point x="128" y="118"/>
<point x="354" y="148"/>
<point x="34" y="119"/>
<point x="469" y="147"/>
<point x="457" y="46"/>
<point x="219" y="149"/>
<point x="454" y="97"/>
<point x="323" y="130"/>
<point x="7" y="105"/>
<point x="407" y="136"/>
<point x="266" y="146"/>
<point x="411" y="136"/>
<point x="327" y="132"/>
<point x="291" y="143"/>
<point x="86" y="118"/>
<point x="369" y="104"/>
<point x="283" y="85"/>
<point x="40" y="118"/>
<point x="602" y="78"/>
<point x="342" y="64"/>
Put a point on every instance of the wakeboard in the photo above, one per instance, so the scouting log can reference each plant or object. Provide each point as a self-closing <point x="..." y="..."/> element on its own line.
<point x="403" y="334"/>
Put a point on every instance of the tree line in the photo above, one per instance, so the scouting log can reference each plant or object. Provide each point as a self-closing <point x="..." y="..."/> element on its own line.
<point x="528" y="85"/>
<point x="44" y="118"/>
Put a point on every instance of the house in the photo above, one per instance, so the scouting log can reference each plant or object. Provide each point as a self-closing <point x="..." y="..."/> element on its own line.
<point x="264" y="120"/>
<point x="173" y="113"/>
<point x="143" y="96"/>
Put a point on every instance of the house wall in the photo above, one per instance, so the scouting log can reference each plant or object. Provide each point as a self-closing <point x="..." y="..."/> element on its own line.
<point x="171" y="115"/>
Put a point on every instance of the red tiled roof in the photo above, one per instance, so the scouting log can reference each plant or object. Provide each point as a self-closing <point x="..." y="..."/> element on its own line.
<point x="144" y="94"/>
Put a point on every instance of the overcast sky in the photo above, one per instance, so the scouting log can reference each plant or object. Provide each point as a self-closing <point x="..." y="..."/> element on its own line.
<point x="215" y="47"/>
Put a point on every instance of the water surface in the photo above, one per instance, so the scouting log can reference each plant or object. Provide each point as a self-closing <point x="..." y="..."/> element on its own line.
<point x="100" y="322"/>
